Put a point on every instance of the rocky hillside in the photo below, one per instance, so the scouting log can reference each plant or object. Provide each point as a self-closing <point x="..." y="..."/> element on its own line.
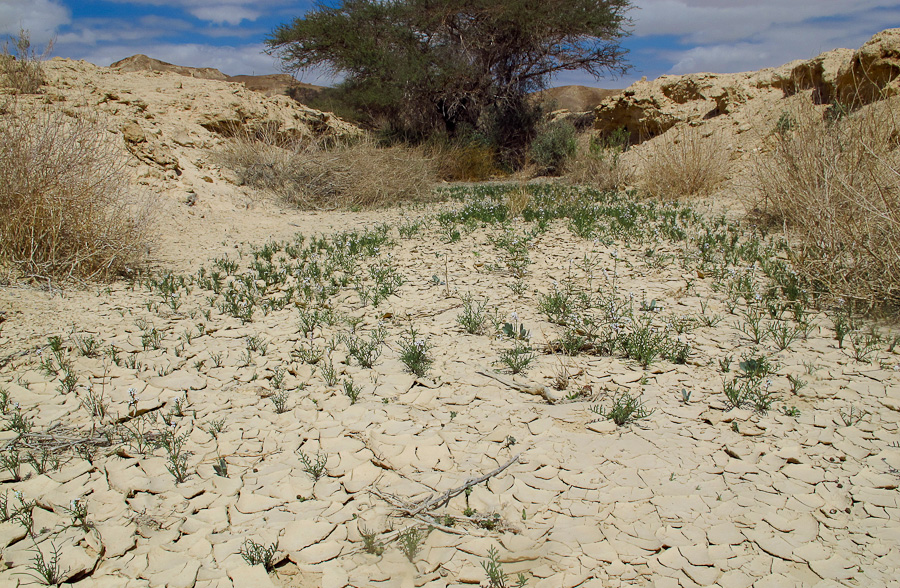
<point x="169" y="123"/>
<point x="740" y="102"/>
<point x="268" y="84"/>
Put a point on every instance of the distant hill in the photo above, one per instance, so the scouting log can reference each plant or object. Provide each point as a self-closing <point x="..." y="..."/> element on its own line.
<point x="576" y="98"/>
<point x="144" y="63"/>
<point x="270" y="84"/>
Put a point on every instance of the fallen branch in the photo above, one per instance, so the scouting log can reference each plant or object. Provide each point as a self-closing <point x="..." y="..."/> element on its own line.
<point x="533" y="389"/>
<point x="444" y="498"/>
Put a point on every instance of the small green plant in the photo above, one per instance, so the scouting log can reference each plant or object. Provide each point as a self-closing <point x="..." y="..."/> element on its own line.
<point x="277" y="379"/>
<point x="473" y="316"/>
<point x="792" y="411"/>
<point x="87" y="345"/>
<point x="797" y="383"/>
<point x="214" y="427"/>
<point x="309" y="353"/>
<point x="754" y="326"/>
<point x="844" y="323"/>
<point x="517" y="287"/>
<point x="138" y="434"/>
<point x="686" y="395"/>
<point x="518" y="358"/>
<point x="220" y="467"/>
<point x="410" y="541"/>
<point x="623" y="410"/>
<point x="865" y="345"/>
<point x="18" y="421"/>
<point x="48" y="572"/>
<point x="785" y="123"/>
<point x="756" y="366"/>
<point x="366" y="351"/>
<point x="783" y="333"/>
<point x="410" y="228"/>
<point x="173" y="444"/>
<point x="78" y="510"/>
<point x="11" y="461"/>
<point x="313" y="467"/>
<point x="329" y="373"/>
<point x="414" y="352"/>
<point x="725" y="364"/>
<point x="257" y="344"/>
<point x="852" y="416"/>
<point x="280" y="399"/>
<point x="496" y="577"/>
<point x="646" y="342"/>
<point x="749" y="392"/>
<point x="43" y="461"/>
<point x="256" y="554"/>
<point x="351" y="390"/>
<point x="68" y="382"/>
<point x="371" y="543"/>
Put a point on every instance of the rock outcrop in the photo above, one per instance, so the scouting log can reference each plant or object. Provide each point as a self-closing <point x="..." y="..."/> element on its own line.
<point x="649" y="108"/>
<point x="169" y="122"/>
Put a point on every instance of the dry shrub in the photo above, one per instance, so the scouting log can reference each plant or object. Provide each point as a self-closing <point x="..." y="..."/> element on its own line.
<point x="682" y="163"/>
<point x="518" y="199"/>
<point x="65" y="210"/>
<point x="21" y="68"/>
<point x="599" y="165"/>
<point x="346" y="174"/>
<point x="465" y="163"/>
<point x="835" y="186"/>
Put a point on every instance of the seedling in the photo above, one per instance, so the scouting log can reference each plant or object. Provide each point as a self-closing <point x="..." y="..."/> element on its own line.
<point x="410" y="541"/>
<point x="624" y="409"/>
<point x="313" y="467"/>
<point x="257" y="554"/>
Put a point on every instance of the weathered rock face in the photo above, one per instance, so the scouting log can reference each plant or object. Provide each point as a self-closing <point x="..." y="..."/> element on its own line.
<point x="873" y="70"/>
<point x="650" y="108"/>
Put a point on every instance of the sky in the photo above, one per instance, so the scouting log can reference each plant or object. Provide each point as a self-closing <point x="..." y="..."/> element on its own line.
<point x="666" y="36"/>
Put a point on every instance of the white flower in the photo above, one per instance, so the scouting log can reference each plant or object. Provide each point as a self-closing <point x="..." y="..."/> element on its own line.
<point x="514" y="316"/>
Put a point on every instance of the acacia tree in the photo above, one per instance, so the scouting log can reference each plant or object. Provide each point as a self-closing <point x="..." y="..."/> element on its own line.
<point x="427" y="66"/>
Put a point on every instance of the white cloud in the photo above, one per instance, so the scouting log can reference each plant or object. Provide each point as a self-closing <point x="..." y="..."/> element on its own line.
<point x="40" y="17"/>
<point x="729" y="37"/>
<point x="225" y="14"/>
<point x="711" y="21"/>
<point x="231" y="12"/>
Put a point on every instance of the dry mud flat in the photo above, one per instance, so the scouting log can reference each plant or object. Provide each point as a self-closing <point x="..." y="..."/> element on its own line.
<point x="182" y="420"/>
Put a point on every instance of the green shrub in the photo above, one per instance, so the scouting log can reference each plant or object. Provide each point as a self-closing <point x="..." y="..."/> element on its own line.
<point x="553" y="146"/>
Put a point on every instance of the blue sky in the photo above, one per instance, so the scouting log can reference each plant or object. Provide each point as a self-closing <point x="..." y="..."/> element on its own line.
<point x="668" y="36"/>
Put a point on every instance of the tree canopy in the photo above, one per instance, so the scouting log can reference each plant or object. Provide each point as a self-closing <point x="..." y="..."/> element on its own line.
<point x="426" y="66"/>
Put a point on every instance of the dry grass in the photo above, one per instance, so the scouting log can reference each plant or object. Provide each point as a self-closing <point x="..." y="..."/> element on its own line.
<point x="21" y="67"/>
<point x="517" y="200"/>
<point x="683" y="163"/>
<point x="308" y="175"/>
<point x="464" y="163"/>
<point x="65" y="210"/>
<point x="600" y="167"/>
<point x="835" y="187"/>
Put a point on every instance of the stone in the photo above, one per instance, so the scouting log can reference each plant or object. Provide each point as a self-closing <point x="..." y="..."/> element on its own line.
<point x="245" y="576"/>
<point x="299" y="535"/>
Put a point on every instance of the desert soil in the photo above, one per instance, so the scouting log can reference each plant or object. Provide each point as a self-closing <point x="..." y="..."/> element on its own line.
<point x="692" y="495"/>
